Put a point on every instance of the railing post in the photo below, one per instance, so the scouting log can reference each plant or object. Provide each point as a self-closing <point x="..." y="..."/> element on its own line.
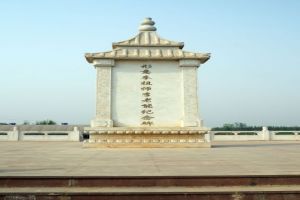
<point x="75" y="134"/>
<point x="266" y="133"/>
<point x="208" y="137"/>
<point x="15" y="134"/>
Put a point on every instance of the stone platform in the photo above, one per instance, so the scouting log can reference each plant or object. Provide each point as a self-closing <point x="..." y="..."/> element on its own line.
<point x="228" y="171"/>
<point x="225" y="158"/>
<point x="141" y="137"/>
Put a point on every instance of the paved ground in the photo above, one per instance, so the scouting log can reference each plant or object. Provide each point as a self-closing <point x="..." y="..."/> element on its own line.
<point x="80" y="190"/>
<point x="69" y="159"/>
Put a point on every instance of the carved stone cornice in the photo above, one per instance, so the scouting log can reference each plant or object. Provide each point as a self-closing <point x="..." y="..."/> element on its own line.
<point x="103" y="62"/>
<point x="145" y="131"/>
<point x="189" y="63"/>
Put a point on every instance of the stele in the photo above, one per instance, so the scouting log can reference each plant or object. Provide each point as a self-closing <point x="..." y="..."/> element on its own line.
<point x="147" y="94"/>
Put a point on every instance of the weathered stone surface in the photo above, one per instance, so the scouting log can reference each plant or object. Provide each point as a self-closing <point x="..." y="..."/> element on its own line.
<point x="224" y="159"/>
<point x="147" y="82"/>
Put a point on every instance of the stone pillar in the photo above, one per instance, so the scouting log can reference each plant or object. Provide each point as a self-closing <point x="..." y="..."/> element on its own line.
<point x="75" y="134"/>
<point x="208" y="137"/>
<point x="189" y="93"/>
<point x="266" y="133"/>
<point x="103" y="94"/>
<point x="14" y="136"/>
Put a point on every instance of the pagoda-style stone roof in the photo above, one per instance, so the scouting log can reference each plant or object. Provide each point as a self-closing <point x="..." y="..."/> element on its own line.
<point x="148" y="39"/>
<point x="147" y="45"/>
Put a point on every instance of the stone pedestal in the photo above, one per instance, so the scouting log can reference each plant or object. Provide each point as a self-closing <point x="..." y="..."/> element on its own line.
<point x="147" y="94"/>
<point x="147" y="137"/>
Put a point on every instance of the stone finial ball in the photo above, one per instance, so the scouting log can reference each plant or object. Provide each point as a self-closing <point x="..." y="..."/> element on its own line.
<point x="147" y="25"/>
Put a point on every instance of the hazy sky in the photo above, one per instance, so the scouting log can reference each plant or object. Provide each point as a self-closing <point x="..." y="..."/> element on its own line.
<point x="253" y="75"/>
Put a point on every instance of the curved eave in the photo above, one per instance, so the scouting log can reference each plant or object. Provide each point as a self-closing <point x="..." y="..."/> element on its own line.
<point x="203" y="58"/>
<point x="116" y="45"/>
<point x="148" y="39"/>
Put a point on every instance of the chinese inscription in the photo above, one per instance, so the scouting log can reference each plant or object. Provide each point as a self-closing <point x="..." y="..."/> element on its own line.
<point x="146" y="87"/>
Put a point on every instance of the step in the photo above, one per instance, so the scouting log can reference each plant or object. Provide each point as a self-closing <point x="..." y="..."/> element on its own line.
<point x="287" y="192"/>
<point x="273" y="187"/>
<point x="147" y="181"/>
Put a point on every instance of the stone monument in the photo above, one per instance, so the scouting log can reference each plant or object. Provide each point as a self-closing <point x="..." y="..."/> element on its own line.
<point x="147" y="94"/>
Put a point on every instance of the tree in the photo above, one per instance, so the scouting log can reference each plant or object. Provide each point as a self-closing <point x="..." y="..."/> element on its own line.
<point x="237" y="126"/>
<point x="26" y="122"/>
<point x="46" y="122"/>
<point x="240" y="125"/>
<point x="228" y="127"/>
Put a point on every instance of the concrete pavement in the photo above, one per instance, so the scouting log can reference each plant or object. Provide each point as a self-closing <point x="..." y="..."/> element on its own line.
<point x="225" y="158"/>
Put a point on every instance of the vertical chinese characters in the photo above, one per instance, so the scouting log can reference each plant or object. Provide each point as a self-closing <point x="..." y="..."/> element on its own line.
<point x="146" y="87"/>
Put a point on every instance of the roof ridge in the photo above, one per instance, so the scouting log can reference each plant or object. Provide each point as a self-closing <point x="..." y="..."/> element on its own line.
<point x="147" y="38"/>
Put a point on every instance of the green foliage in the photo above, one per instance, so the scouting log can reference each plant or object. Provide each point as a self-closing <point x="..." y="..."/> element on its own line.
<point x="46" y="122"/>
<point x="284" y="128"/>
<point x="238" y="126"/>
<point x="26" y="123"/>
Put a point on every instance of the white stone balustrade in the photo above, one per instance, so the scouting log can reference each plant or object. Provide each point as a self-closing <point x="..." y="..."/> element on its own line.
<point x="263" y="135"/>
<point x="40" y="133"/>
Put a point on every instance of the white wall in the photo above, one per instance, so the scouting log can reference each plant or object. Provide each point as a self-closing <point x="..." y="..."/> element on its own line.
<point x="165" y="93"/>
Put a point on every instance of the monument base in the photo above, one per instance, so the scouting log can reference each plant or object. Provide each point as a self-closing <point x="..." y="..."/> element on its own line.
<point x="125" y="137"/>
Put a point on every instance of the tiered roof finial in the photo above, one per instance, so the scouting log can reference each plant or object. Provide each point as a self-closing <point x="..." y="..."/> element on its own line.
<point x="147" y="25"/>
<point x="153" y="47"/>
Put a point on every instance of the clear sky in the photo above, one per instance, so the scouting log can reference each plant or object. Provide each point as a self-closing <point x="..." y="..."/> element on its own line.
<point x="253" y="75"/>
